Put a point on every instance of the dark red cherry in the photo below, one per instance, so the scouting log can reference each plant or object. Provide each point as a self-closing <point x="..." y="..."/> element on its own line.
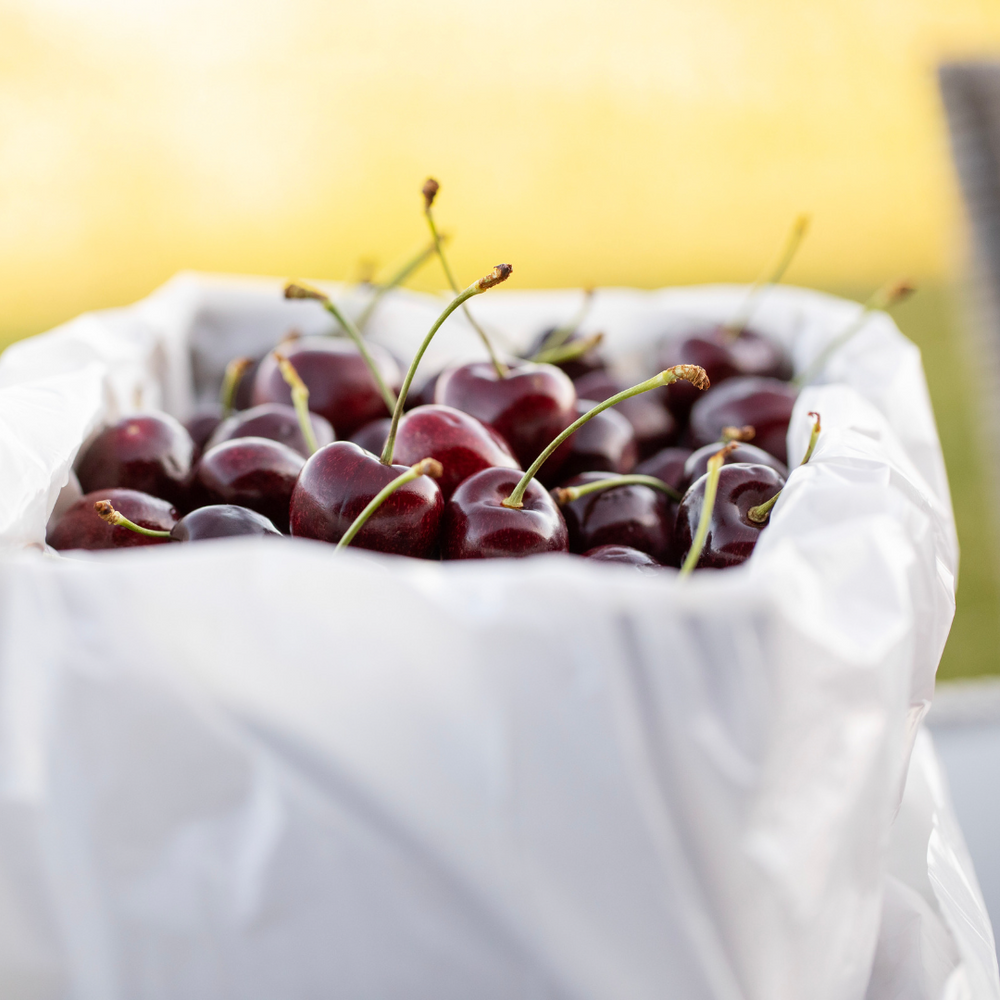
<point x="81" y="528"/>
<point x="274" y="421"/>
<point x="461" y="443"/>
<point x="605" y="443"/>
<point x="340" y="480"/>
<point x="476" y="525"/>
<point x="652" y="423"/>
<point x="575" y="368"/>
<point x="340" y="385"/>
<point x="622" y="554"/>
<point x="528" y="408"/>
<point x="423" y="396"/>
<point x="202" y="425"/>
<point x="149" y="452"/>
<point x="216" y="521"/>
<point x="249" y="472"/>
<point x="637" y="516"/>
<point x="243" y="397"/>
<point x="754" y="354"/>
<point x="742" y="454"/>
<point x="667" y="465"/>
<point x="731" y="534"/>
<point x="764" y="403"/>
<point x="372" y="436"/>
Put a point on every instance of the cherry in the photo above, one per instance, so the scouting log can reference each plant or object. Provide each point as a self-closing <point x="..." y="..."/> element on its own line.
<point x="217" y="521"/>
<point x="478" y="525"/>
<point x="339" y="482"/>
<point x="744" y="454"/>
<point x="274" y="421"/>
<point x="373" y="435"/>
<point x="202" y="425"/>
<point x="78" y="528"/>
<point x="577" y="355"/>
<point x="251" y="472"/>
<point x="667" y="465"/>
<point x="242" y="398"/>
<point x="149" y="452"/>
<point x="633" y="515"/>
<point x="730" y="533"/>
<point x="461" y="443"/>
<point x="763" y="403"/>
<point x="424" y="396"/>
<point x="528" y="407"/>
<point x="653" y="424"/>
<point x="605" y="444"/>
<point x="623" y="554"/>
<point x="341" y="387"/>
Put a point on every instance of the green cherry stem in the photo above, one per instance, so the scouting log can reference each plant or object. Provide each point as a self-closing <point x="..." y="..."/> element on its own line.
<point x="297" y="290"/>
<point x="761" y="513"/>
<point x="107" y="513"/>
<point x="561" y="334"/>
<point x="230" y="382"/>
<point x="885" y="298"/>
<point x="429" y="191"/>
<point x="425" y="467"/>
<point x="300" y="400"/>
<point x="414" y="264"/>
<point x="688" y="373"/>
<point x="566" y="494"/>
<point x="771" y="276"/>
<point x="567" y="352"/>
<point x="715" y="464"/>
<point x="500" y="273"/>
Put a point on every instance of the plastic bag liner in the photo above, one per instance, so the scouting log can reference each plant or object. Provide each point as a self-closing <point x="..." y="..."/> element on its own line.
<point x="257" y="770"/>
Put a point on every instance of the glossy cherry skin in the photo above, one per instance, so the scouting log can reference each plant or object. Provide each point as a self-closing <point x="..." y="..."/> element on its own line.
<point x="340" y="386"/>
<point x="527" y="409"/>
<point x="764" y="403"/>
<point x="202" y="426"/>
<point x="637" y="516"/>
<point x="149" y="452"/>
<point x="340" y="480"/>
<point x="461" y="443"/>
<point x="82" y="528"/>
<point x="243" y="396"/>
<point x="743" y="454"/>
<point x="652" y="423"/>
<point x="731" y="534"/>
<point x="276" y="422"/>
<point x="476" y="525"/>
<point x="372" y="436"/>
<point x="667" y="465"/>
<point x="423" y="396"/>
<point x="623" y="554"/>
<point x="249" y="472"/>
<point x="605" y="443"/>
<point x="221" y="521"/>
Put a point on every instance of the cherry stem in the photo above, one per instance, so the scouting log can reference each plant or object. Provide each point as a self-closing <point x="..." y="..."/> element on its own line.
<point x="771" y="276"/>
<point x="500" y="273"/>
<point x="296" y="290"/>
<point x="715" y="464"/>
<point x="430" y="190"/>
<point x="230" y="383"/>
<point x="561" y="334"/>
<point x="761" y="513"/>
<point x="885" y="298"/>
<point x="566" y="494"/>
<point x="107" y="513"/>
<point x="414" y="264"/>
<point x="300" y="400"/>
<point x="567" y="352"/>
<point x="688" y="373"/>
<point x="425" y="467"/>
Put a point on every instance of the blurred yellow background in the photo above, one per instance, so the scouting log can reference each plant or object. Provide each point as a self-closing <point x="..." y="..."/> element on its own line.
<point x="643" y="142"/>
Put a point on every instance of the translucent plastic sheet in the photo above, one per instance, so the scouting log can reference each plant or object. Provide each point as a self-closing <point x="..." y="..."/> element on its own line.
<point x="261" y="770"/>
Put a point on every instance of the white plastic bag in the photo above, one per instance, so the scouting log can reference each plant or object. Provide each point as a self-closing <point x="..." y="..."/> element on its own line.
<point x="262" y="770"/>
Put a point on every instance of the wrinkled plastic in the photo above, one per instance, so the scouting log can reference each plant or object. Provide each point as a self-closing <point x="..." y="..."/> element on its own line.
<point x="265" y="769"/>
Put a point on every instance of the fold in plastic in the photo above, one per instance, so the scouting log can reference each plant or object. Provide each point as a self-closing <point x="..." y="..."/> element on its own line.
<point x="268" y="770"/>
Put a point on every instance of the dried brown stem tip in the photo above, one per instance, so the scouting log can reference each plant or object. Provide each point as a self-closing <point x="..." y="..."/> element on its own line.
<point x="429" y="467"/>
<point x="562" y="495"/>
<point x="698" y="377"/>
<point x="500" y="273"/>
<point x="429" y="191"/>
<point x="744" y="433"/>
<point x="900" y="291"/>
<point x="816" y="427"/>
<point x="296" y="291"/>
<point x="106" y="512"/>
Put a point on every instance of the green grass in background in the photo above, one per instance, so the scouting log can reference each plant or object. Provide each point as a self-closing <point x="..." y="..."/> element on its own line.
<point x="931" y="320"/>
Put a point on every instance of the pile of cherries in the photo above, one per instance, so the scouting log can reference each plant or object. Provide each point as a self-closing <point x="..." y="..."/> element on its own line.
<point x="321" y="438"/>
